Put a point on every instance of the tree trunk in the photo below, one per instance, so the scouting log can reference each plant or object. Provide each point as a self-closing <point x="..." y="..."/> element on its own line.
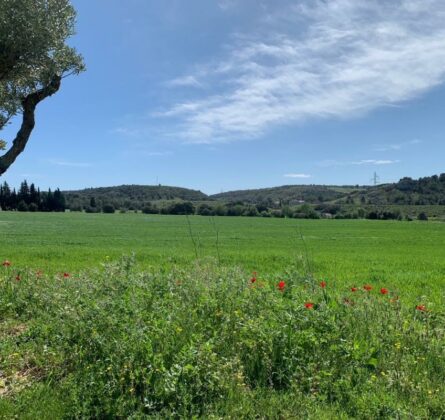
<point x="28" y="121"/>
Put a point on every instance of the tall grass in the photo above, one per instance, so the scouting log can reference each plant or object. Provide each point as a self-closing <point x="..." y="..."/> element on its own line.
<point x="214" y="342"/>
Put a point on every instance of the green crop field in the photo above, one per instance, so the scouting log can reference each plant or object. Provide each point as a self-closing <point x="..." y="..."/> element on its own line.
<point x="408" y="254"/>
<point x="182" y="329"/>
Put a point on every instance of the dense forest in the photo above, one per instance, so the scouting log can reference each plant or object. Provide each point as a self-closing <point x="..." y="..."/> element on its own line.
<point x="129" y="197"/>
<point x="30" y="198"/>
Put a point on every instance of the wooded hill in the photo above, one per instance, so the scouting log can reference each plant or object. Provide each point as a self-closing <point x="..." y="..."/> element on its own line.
<point x="290" y="194"/>
<point x="425" y="191"/>
<point x="130" y="196"/>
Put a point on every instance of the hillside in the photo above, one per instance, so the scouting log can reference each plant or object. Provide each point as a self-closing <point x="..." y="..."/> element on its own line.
<point x="290" y="194"/>
<point x="407" y="192"/>
<point x="424" y="191"/>
<point x="130" y="195"/>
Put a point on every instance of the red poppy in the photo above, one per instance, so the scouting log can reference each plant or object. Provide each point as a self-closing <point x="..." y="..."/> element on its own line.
<point x="354" y="289"/>
<point x="421" y="308"/>
<point x="253" y="279"/>
<point x="384" y="291"/>
<point x="17" y="277"/>
<point x="66" y="275"/>
<point x="367" y="287"/>
<point x="309" y="305"/>
<point x="6" y="263"/>
<point x="323" y="284"/>
<point x="281" y="285"/>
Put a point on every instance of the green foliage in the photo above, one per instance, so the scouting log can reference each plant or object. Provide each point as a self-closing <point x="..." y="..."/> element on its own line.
<point x="207" y="342"/>
<point x="108" y="208"/>
<point x="126" y="196"/>
<point x="33" y="49"/>
<point x="29" y="198"/>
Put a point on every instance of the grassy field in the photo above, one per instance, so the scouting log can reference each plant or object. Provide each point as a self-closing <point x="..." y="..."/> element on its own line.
<point x="399" y="254"/>
<point x="183" y="329"/>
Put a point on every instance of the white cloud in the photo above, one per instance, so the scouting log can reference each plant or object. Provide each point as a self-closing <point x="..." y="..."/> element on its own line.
<point x="328" y="163"/>
<point x="389" y="147"/>
<point x="185" y="81"/>
<point x="303" y="176"/>
<point x="127" y="131"/>
<point x="69" y="164"/>
<point x="335" y="59"/>
<point x="375" y="162"/>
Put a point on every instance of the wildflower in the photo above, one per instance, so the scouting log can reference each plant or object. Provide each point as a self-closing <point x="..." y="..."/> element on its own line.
<point x="309" y="305"/>
<point x="354" y="289"/>
<point x="323" y="284"/>
<point x="383" y="291"/>
<point x="66" y="275"/>
<point x="421" y="308"/>
<point x="6" y="263"/>
<point x="281" y="285"/>
<point x="17" y="277"/>
<point x="253" y="279"/>
<point x="367" y="287"/>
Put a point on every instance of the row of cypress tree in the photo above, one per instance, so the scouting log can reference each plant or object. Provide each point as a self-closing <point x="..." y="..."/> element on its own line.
<point x="30" y="198"/>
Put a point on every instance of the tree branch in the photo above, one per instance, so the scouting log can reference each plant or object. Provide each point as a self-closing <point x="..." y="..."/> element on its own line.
<point x="29" y="103"/>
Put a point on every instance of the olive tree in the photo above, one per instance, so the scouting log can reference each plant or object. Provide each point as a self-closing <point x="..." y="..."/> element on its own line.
<point x="34" y="58"/>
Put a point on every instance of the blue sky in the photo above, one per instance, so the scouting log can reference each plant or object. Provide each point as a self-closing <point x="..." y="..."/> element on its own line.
<point x="219" y="95"/>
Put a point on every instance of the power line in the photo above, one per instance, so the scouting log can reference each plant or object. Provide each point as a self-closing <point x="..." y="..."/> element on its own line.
<point x="375" y="179"/>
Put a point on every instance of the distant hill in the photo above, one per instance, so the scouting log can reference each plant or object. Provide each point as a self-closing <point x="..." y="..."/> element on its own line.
<point x="424" y="191"/>
<point x="130" y="195"/>
<point x="290" y="194"/>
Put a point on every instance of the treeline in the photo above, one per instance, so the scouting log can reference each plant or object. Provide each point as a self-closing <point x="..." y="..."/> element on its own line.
<point x="304" y="211"/>
<point x="30" y="198"/>
<point x="131" y="197"/>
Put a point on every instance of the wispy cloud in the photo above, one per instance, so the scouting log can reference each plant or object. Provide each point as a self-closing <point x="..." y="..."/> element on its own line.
<point x="378" y="162"/>
<point x="302" y="176"/>
<point x="127" y="131"/>
<point x="399" y="146"/>
<point x="58" y="162"/>
<point x="185" y="81"/>
<point x="319" y="59"/>
<point x="166" y="153"/>
<point x="375" y="162"/>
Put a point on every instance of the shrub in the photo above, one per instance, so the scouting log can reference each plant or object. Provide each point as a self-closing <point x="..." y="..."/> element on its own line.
<point x="108" y="208"/>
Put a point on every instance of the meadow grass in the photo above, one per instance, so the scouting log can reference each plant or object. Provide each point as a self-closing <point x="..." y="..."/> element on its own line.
<point x="211" y="342"/>
<point x="408" y="255"/>
<point x="182" y="330"/>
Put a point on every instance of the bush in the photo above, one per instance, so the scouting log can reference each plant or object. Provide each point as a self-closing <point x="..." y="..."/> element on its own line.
<point x="22" y="206"/>
<point x="108" y="208"/>
<point x="33" y="207"/>
<point x="422" y="216"/>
